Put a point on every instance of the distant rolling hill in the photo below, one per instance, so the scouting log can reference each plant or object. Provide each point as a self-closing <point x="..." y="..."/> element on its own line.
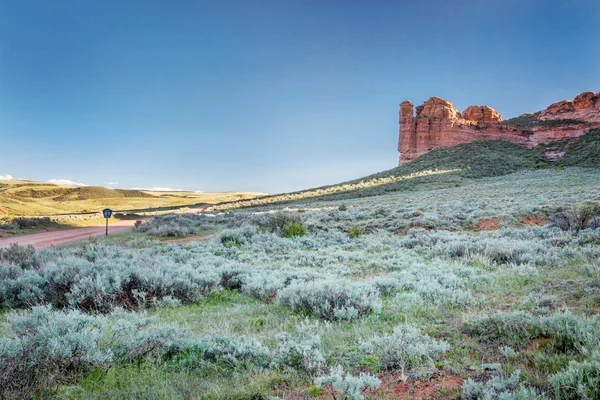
<point x="21" y="197"/>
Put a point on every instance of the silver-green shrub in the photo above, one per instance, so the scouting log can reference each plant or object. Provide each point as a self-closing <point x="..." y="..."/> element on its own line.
<point x="516" y="327"/>
<point x="175" y="225"/>
<point x="572" y="332"/>
<point x="331" y="299"/>
<point x="405" y="348"/>
<point x="222" y="349"/>
<point x="580" y="380"/>
<point x="499" y="388"/>
<point x="346" y="385"/>
<point x="303" y="350"/>
<point x="49" y="348"/>
<point x="112" y="278"/>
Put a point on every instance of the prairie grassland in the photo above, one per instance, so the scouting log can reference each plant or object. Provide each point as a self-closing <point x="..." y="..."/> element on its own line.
<point x="30" y="198"/>
<point x="367" y="298"/>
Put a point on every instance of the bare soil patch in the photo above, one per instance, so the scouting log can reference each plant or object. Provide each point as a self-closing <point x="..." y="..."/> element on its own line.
<point x="488" y="224"/>
<point x="536" y="220"/>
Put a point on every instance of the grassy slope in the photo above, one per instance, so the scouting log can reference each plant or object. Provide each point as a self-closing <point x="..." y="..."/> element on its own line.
<point x="504" y="288"/>
<point x="583" y="151"/>
<point x="527" y="121"/>
<point x="36" y="198"/>
<point x="445" y="167"/>
<point x="441" y="167"/>
<point x="477" y="159"/>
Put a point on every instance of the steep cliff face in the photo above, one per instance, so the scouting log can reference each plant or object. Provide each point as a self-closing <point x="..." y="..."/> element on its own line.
<point x="437" y="123"/>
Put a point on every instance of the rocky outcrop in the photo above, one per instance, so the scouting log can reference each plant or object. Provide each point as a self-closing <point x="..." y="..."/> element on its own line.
<point x="438" y="123"/>
<point x="585" y="107"/>
<point x="481" y="114"/>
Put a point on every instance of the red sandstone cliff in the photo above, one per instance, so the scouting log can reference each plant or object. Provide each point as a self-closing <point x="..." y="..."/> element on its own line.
<point x="437" y="123"/>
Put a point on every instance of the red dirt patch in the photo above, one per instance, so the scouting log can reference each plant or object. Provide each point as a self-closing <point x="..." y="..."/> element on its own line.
<point x="393" y="388"/>
<point x="186" y="239"/>
<point x="490" y="224"/>
<point x="445" y="387"/>
<point x="537" y="220"/>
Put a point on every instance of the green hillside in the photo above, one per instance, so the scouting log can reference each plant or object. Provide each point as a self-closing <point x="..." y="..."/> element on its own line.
<point x="440" y="168"/>
<point x="583" y="151"/>
<point x="446" y="167"/>
<point x="478" y="159"/>
<point x="527" y="121"/>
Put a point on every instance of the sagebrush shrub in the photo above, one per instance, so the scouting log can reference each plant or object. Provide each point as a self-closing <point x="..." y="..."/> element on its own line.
<point x="345" y="385"/>
<point x="221" y="349"/>
<point x="174" y="225"/>
<point x="49" y="348"/>
<point x="112" y="278"/>
<point x="580" y="380"/>
<point x="23" y="256"/>
<point x="499" y="388"/>
<point x="332" y="299"/>
<point x="303" y="350"/>
<point x="571" y="333"/>
<point x="278" y="221"/>
<point x="405" y="348"/>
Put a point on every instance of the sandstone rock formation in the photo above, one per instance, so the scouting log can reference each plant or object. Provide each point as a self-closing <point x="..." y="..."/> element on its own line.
<point x="481" y="114"/>
<point x="585" y="106"/>
<point x="437" y="123"/>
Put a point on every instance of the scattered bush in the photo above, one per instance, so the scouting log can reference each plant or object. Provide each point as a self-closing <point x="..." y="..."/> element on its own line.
<point x="23" y="256"/>
<point x="343" y="207"/>
<point x="277" y="222"/>
<point x="292" y="230"/>
<point x="405" y="348"/>
<point x="581" y="380"/>
<point x="574" y="220"/>
<point x="353" y="232"/>
<point x="49" y="348"/>
<point x="499" y="388"/>
<point x="303" y="351"/>
<point x="332" y="299"/>
<point x="346" y="386"/>
<point x="221" y="349"/>
<point x="175" y="225"/>
<point x="113" y="278"/>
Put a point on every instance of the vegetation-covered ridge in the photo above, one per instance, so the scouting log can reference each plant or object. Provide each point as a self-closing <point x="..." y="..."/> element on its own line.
<point x="441" y="167"/>
<point x="446" y="166"/>
<point x="583" y="151"/>
<point x="370" y="298"/>
<point x="527" y="121"/>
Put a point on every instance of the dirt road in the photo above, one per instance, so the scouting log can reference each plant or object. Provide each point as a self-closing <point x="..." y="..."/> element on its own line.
<point x="47" y="239"/>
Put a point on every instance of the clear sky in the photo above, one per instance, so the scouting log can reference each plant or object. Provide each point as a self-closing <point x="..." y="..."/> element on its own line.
<point x="265" y="95"/>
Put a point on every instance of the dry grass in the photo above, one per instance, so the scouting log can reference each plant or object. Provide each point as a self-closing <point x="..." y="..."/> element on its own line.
<point x="36" y="198"/>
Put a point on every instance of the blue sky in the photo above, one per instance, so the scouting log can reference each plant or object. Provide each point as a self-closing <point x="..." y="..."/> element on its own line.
<point x="260" y="95"/>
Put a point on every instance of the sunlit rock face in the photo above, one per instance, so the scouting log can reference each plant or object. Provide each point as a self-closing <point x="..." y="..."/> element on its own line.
<point x="437" y="123"/>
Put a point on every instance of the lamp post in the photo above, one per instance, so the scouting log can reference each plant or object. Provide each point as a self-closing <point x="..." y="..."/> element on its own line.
<point x="107" y="212"/>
